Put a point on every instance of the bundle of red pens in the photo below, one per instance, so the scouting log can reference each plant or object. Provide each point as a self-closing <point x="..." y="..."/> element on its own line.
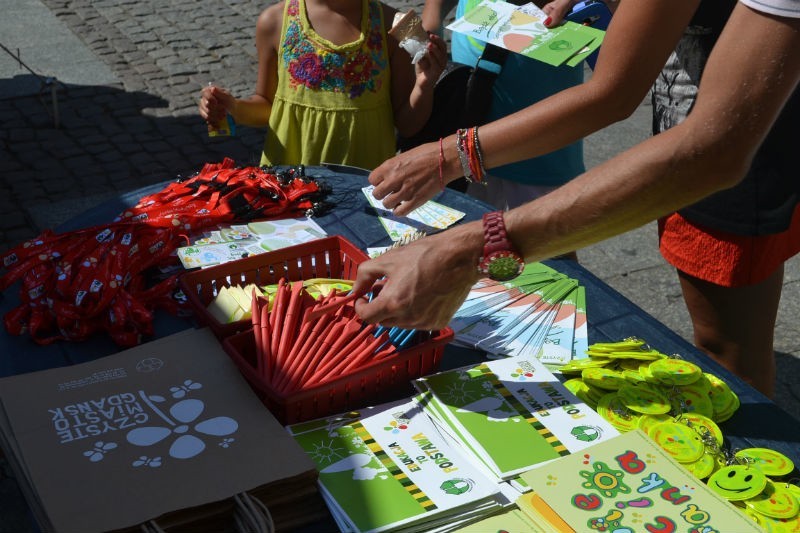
<point x="302" y="342"/>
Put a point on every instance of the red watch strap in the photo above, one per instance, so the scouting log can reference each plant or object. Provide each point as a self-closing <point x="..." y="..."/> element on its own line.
<point x="495" y="238"/>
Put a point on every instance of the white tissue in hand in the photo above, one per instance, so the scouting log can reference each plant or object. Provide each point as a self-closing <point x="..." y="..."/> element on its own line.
<point x="414" y="48"/>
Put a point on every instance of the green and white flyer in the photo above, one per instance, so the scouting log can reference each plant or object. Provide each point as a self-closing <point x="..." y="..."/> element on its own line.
<point x="521" y="29"/>
<point x="388" y="468"/>
<point x="511" y="414"/>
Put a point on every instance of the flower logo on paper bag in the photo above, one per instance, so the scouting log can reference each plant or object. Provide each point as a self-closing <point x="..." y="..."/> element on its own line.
<point x="186" y="445"/>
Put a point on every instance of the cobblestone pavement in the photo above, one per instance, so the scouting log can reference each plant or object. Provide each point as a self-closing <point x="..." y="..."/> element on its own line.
<point x="143" y="130"/>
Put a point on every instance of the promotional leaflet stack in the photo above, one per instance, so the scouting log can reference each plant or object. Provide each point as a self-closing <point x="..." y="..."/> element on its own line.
<point x="510" y="415"/>
<point x="540" y="314"/>
<point x="167" y="434"/>
<point x="388" y="468"/>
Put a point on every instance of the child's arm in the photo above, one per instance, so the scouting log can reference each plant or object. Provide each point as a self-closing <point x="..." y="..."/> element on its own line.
<point x="412" y="85"/>
<point x="215" y="102"/>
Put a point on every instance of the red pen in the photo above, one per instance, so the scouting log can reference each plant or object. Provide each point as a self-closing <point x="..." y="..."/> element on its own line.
<point x="266" y="353"/>
<point x="276" y="317"/>
<point x="307" y="303"/>
<point x="335" y="359"/>
<point x="306" y="326"/>
<point x="357" y="358"/>
<point x="312" y="341"/>
<point x="299" y="369"/>
<point x="335" y="304"/>
<point x="351" y="328"/>
<point x="289" y="329"/>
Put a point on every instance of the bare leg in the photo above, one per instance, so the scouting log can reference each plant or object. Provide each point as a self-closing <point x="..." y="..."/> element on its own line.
<point x="736" y="326"/>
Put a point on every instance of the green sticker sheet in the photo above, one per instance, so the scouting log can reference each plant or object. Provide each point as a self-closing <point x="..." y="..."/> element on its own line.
<point x="629" y="483"/>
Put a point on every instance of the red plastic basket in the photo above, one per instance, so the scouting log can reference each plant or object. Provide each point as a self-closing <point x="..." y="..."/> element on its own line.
<point x="330" y="257"/>
<point x="378" y="382"/>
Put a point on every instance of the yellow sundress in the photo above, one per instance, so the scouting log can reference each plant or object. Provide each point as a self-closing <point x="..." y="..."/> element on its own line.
<point x="333" y="102"/>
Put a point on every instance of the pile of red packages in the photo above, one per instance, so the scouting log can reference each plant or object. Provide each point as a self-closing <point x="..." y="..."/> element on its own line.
<point x="77" y="283"/>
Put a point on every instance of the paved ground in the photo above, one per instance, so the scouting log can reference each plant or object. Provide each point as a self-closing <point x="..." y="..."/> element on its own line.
<point x="102" y="100"/>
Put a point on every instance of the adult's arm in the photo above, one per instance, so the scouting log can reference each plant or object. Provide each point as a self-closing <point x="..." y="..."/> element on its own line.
<point x="638" y="42"/>
<point x="739" y="98"/>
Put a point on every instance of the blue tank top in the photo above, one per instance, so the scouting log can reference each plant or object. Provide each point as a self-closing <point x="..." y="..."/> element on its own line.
<point x="522" y="82"/>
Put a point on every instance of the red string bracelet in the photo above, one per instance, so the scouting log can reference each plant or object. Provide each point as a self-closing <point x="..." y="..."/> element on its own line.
<point x="441" y="163"/>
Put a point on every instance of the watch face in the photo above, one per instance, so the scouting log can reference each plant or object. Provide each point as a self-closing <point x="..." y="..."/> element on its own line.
<point x="504" y="266"/>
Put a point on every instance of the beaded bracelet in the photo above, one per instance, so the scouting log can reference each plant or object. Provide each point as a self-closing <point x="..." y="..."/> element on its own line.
<point x="463" y="156"/>
<point x="478" y="153"/>
<point x="475" y="157"/>
<point x="469" y="154"/>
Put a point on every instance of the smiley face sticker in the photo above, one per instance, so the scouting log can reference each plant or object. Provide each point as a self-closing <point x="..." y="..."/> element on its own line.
<point x="738" y="482"/>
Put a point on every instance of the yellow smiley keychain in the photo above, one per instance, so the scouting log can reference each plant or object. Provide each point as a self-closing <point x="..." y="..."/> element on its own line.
<point x="769" y="461"/>
<point x="775" y="501"/>
<point x="675" y="371"/>
<point x="644" y="398"/>
<point x="737" y="482"/>
<point x="679" y="440"/>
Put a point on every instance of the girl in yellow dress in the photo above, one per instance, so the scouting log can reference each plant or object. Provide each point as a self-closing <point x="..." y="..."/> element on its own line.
<point x="332" y="84"/>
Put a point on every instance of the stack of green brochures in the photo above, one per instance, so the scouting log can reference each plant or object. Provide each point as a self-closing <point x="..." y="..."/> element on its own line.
<point x="541" y="313"/>
<point x="511" y="414"/>
<point x="388" y="468"/>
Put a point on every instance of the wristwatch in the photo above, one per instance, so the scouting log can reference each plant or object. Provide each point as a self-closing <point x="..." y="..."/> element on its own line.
<point x="500" y="261"/>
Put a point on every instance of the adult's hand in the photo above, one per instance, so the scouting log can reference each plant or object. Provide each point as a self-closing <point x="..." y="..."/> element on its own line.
<point x="425" y="281"/>
<point x="408" y="180"/>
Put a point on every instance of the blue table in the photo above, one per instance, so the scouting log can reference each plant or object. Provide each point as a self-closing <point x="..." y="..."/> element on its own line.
<point x="611" y="316"/>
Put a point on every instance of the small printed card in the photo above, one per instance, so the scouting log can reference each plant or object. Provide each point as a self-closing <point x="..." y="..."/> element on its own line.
<point x="237" y="241"/>
<point x="429" y="216"/>
<point x="521" y="29"/>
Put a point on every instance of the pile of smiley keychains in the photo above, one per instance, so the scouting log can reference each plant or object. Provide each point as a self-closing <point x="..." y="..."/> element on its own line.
<point x="678" y="405"/>
<point x="750" y="479"/>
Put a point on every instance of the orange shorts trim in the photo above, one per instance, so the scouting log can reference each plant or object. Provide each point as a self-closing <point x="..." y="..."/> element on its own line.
<point x="724" y="258"/>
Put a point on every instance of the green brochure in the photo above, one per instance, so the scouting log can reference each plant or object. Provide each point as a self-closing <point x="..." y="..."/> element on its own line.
<point x="580" y="343"/>
<point x="629" y="483"/>
<point x="520" y="29"/>
<point x="511" y="414"/>
<point x="389" y="468"/>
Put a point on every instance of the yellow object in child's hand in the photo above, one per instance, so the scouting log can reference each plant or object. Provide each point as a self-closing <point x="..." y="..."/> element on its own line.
<point x="225" y="128"/>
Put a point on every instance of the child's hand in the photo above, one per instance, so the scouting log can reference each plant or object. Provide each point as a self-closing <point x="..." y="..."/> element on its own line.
<point x="215" y="104"/>
<point x="432" y="64"/>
